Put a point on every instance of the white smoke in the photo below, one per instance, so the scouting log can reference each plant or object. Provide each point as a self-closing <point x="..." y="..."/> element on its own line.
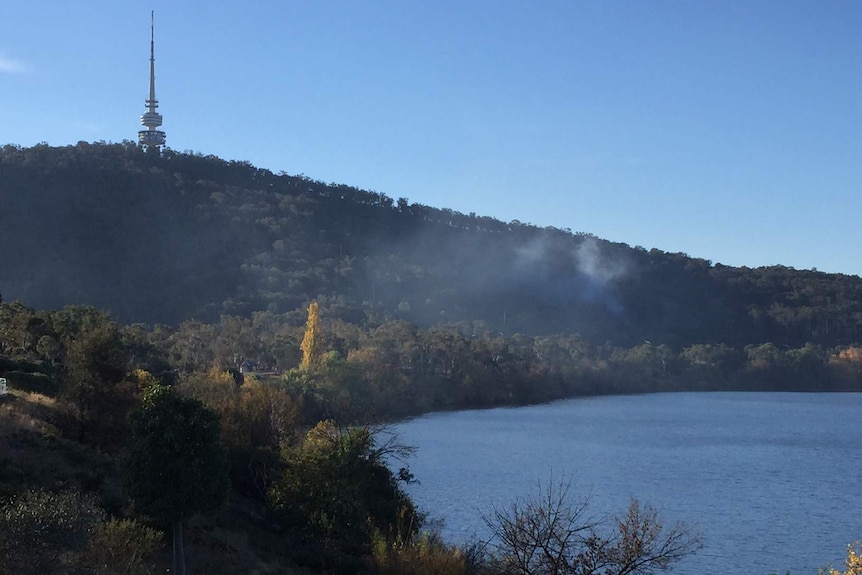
<point x="597" y="266"/>
<point x="533" y="253"/>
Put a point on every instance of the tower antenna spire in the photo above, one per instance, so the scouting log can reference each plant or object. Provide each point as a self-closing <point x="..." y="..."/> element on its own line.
<point x="151" y="119"/>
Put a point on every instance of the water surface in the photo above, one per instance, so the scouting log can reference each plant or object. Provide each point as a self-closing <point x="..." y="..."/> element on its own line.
<point x="771" y="481"/>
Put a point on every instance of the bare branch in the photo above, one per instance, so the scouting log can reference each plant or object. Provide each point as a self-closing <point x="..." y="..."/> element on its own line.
<point x="546" y="534"/>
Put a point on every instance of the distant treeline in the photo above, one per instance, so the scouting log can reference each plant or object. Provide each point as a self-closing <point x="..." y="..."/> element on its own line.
<point x="163" y="239"/>
<point x="396" y="368"/>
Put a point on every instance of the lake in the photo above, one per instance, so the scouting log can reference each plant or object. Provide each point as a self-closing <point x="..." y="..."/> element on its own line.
<point x="771" y="481"/>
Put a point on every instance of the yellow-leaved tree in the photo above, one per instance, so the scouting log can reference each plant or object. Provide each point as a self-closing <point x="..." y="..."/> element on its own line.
<point x="853" y="562"/>
<point x="311" y="344"/>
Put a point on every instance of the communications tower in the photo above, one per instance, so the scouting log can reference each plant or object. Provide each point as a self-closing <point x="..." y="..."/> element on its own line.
<point x="151" y="119"/>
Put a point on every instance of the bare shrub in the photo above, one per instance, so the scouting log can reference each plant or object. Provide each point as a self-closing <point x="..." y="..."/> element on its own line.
<point x="547" y="534"/>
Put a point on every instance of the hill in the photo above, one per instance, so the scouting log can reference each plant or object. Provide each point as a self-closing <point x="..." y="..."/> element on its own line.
<point x="162" y="239"/>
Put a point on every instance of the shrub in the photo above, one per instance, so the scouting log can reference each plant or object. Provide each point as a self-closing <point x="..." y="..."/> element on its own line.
<point x="547" y="534"/>
<point x="337" y="485"/>
<point x="425" y="555"/>
<point x="43" y="532"/>
<point x="123" y="547"/>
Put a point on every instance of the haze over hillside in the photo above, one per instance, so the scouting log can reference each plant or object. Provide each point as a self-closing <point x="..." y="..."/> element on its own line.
<point x="162" y="239"/>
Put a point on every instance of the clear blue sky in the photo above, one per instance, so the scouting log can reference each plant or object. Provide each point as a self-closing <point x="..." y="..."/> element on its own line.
<point x="729" y="130"/>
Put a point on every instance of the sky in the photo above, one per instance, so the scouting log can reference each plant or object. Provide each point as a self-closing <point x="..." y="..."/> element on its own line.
<point x="728" y="130"/>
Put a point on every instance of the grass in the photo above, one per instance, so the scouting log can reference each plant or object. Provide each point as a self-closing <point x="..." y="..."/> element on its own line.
<point x="35" y="455"/>
<point x="26" y="411"/>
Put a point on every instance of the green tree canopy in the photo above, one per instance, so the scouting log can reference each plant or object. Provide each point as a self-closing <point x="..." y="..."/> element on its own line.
<point x="175" y="466"/>
<point x="338" y="485"/>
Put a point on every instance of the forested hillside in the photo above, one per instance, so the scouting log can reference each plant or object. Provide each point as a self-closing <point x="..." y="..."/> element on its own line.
<point x="163" y="239"/>
<point x="260" y="323"/>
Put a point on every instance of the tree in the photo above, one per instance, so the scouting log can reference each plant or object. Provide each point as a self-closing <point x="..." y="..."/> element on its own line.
<point x="337" y="486"/>
<point x="311" y="342"/>
<point x="853" y="562"/>
<point x="175" y="467"/>
<point x="548" y="535"/>
<point x="255" y="419"/>
<point x="96" y="367"/>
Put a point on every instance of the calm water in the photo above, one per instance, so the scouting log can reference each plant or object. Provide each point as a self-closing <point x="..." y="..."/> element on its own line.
<point x="772" y="481"/>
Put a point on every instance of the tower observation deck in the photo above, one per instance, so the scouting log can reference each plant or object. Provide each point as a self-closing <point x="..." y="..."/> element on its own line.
<point x="151" y="119"/>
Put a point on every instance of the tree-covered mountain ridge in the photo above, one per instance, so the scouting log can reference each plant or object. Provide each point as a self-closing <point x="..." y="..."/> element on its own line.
<point x="178" y="236"/>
